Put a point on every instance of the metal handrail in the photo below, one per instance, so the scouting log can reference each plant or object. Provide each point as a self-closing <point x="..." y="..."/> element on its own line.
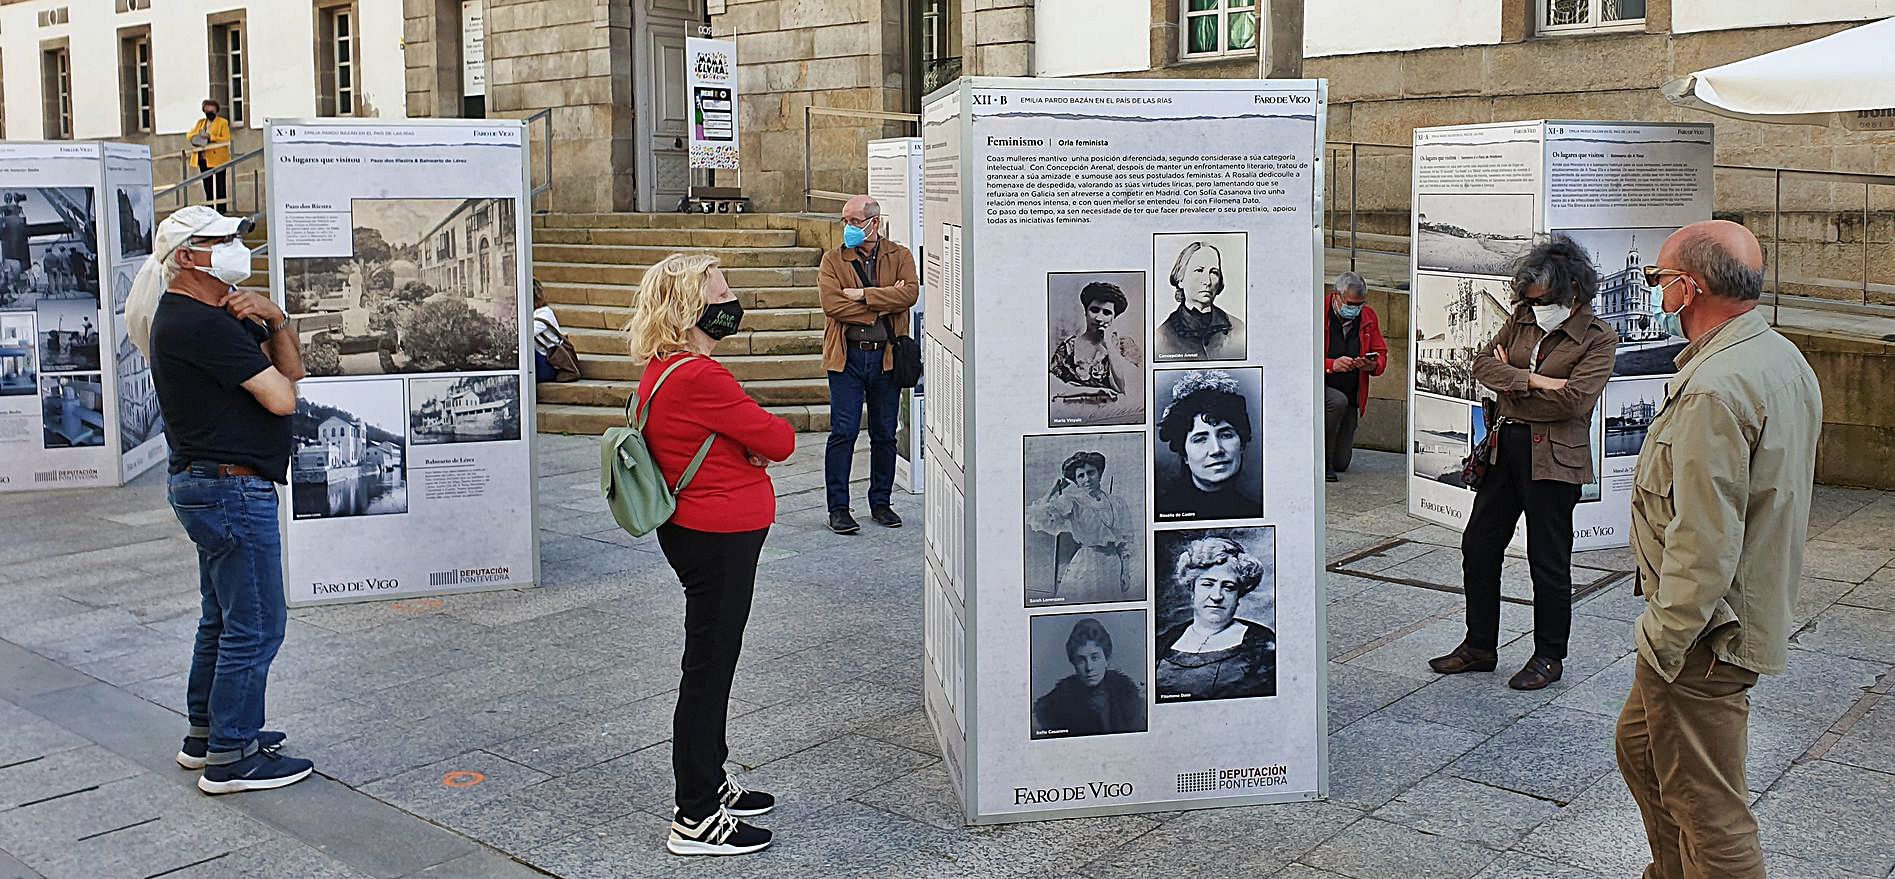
<point x="810" y="192"/>
<point x="202" y="175"/>
<point x="533" y="196"/>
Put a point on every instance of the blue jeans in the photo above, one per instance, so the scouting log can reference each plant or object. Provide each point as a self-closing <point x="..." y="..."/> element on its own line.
<point x="240" y="582"/>
<point x="862" y="380"/>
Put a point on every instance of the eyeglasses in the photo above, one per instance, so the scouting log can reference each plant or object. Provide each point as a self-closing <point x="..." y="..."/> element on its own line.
<point x="1655" y="275"/>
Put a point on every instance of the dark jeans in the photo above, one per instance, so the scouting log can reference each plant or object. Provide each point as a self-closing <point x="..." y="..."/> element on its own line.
<point x="1509" y="490"/>
<point x="215" y="186"/>
<point x="542" y="368"/>
<point x="719" y="573"/>
<point x="862" y="380"/>
<point x="1339" y="420"/>
<point x="240" y="583"/>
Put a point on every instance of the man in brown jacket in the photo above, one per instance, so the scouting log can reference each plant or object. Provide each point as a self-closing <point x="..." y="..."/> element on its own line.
<point x="1720" y="510"/>
<point x="867" y="285"/>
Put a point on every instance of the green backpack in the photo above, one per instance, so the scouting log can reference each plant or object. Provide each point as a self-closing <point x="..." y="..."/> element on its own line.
<point x="634" y="488"/>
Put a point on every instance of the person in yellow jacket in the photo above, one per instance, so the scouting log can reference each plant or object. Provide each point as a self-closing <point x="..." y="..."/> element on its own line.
<point x="211" y="138"/>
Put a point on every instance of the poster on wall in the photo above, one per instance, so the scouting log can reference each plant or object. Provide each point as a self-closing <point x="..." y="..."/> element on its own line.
<point x="141" y="439"/>
<point x="710" y="81"/>
<point x="399" y="252"/>
<point x="1484" y="194"/>
<point x="895" y="183"/>
<point x="1138" y="534"/>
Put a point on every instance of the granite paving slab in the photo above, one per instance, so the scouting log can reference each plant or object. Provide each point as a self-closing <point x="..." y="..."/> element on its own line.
<point x="1853" y="632"/>
<point x="1847" y="562"/>
<point x="1372" y="847"/>
<point x="1444" y="805"/>
<point x="1870" y="743"/>
<point x="1600" y="831"/>
<point x="1554" y="754"/>
<point x="1356" y="692"/>
<point x="1376" y="759"/>
<point x="1831" y="814"/>
<point x="1226" y="843"/>
<point x="1816" y="684"/>
<point x="456" y="783"/>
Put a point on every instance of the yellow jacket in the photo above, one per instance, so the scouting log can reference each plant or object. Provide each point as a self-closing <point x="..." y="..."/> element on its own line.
<point x="217" y="152"/>
<point x="1720" y="500"/>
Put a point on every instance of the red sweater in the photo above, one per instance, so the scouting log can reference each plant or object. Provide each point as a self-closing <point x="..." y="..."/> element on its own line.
<point x="729" y="494"/>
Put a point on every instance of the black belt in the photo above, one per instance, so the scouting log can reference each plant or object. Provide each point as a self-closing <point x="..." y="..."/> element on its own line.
<point x="210" y="469"/>
<point x="867" y="346"/>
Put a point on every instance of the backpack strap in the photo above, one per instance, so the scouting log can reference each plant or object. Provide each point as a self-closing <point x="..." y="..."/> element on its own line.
<point x="636" y="417"/>
<point x="696" y="461"/>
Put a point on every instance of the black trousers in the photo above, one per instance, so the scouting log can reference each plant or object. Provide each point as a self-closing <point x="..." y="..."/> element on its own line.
<point x="215" y="186"/>
<point x="1509" y="490"/>
<point x="719" y="574"/>
<point x="1339" y="420"/>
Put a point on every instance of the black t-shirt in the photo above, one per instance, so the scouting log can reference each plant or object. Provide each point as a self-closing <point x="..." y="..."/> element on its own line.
<point x="1345" y="340"/>
<point x="200" y="358"/>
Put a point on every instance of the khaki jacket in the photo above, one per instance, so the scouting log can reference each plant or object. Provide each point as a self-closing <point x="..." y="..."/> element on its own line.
<point x="893" y="263"/>
<point x="1720" y="499"/>
<point x="1581" y="351"/>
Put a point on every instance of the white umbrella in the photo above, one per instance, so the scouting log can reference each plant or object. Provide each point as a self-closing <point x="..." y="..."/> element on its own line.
<point x="1846" y="79"/>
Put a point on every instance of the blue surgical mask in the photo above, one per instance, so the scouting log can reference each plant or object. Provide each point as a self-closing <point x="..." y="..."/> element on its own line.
<point x="853" y="236"/>
<point x="1348" y="312"/>
<point x="1671" y="322"/>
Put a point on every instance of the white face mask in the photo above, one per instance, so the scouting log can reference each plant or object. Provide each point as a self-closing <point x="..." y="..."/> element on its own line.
<point x="1549" y="317"/>
<point x="230" y="262"/>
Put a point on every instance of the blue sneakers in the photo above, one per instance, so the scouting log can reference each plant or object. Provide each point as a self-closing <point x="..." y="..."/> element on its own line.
<point x="264" y="770"/>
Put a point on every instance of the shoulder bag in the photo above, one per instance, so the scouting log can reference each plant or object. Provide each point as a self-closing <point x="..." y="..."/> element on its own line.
<point x="906" y="354"/>
<point x="635" y="490"/>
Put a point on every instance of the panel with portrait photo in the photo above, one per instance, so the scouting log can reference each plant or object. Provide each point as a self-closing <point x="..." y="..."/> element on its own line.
<point x="1215" y="622"/>
<point x="1084" y="518"/>
<point x="1207" y="275"/>
<point x="1207" y="454"/>
<point x="1088" y="674"/>
<point x="1095" y="361"/>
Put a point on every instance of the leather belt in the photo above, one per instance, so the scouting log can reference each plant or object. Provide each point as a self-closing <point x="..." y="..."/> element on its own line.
<point x="867" y="346"/>
<point x="223" y="470"/>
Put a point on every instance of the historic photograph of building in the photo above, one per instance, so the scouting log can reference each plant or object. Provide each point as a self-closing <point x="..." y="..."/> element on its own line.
<point x="430" y="286"/>
<point x="73" y="410"/>
<point x="1472" y="234"/>
<point x="138" y="417"/>
<point x="134" y="221"/>
<point x="1630" y="408"/>
<point x="18" y="377"/>
<point x="1442" y="439"/>
<point x="1455" y="319"/>
<point x="1625" y="302"/>
<point x="350" y="447"/>
<point x="469" y="409"/>
<point x="48" y="247"/>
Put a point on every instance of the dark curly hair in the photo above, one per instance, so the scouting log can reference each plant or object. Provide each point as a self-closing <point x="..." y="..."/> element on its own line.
<point x="1560" y="266"/>
<point x="1088" y="631"/>
<point x="1212" y="394"/>
<point x="1100" y="291"/>
<point x="1080" y="459"/>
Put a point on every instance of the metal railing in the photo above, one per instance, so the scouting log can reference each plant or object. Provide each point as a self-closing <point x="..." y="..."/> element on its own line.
<point x="544" y="168"/>
<point x="250" y="163"/>
<point x="810" y="192"/>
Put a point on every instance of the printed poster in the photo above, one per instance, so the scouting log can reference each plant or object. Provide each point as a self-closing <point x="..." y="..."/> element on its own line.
<point x="710" y="75"/>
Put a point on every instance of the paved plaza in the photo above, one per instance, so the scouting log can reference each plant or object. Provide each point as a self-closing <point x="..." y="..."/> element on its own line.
<point x="524" y="733"/>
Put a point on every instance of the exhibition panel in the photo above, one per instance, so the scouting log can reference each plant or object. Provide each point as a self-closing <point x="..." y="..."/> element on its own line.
<point x="895" y="183"/>
<point x="1124" y="554"/>
<point x="75" y="225"/>
<point x="399" y="250"/>
<point x="1483" y="196"/>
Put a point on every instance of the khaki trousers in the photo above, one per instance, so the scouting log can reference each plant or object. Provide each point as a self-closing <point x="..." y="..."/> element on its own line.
<point x="1681" y="748"/>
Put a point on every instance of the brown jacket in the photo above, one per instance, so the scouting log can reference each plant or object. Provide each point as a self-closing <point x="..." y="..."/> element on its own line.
<point x="893" y="264"/>
<point x="1581" y="351"/>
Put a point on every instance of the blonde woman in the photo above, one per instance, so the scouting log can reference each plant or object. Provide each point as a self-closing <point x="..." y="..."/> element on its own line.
<point x="713" y="540"/>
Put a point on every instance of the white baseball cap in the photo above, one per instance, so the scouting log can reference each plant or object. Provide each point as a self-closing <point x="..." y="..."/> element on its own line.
<point x="195" y="221"/>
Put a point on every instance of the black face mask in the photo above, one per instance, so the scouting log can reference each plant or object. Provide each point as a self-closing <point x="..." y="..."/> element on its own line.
<point x="721" y="319"/>
<point x="210" y="114"/>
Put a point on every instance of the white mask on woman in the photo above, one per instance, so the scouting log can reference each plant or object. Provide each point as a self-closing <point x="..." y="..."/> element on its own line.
<point x="1549" y="317"/>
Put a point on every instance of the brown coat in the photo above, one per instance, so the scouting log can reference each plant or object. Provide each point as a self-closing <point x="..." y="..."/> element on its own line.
<point x="893" y="264"/>
<point x="1581" y="351"/>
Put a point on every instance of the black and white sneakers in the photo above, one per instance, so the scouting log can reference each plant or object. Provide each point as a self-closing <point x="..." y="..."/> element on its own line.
<point x="742" y="802"/>
<point x="720" y="834"/>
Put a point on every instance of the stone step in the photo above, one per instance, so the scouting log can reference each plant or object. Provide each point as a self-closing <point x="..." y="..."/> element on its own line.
<point x="668" y="238"/>
<point x="620" y="295"/>
<point x="652" y="221"/>
<point x="613" y="394"/>
<point x="626" y="255"/>
<point x="591" y="341"/>
<point x="593" y="420"/>
<point x="609" y="273"/>
<point x="747" y="368"/>
<point x="614" y="317"/>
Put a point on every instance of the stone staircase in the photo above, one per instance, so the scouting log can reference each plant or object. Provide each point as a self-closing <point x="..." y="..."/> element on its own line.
<point x="589" y="265"/>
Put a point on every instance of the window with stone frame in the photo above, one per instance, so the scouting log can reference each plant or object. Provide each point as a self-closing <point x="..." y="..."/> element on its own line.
<point x="1590" y="16"/>
<point x="1217" y="28"/>
<point x="56" y="91"/>
<point x="940" y="43"/>
<point x="229" y="65"/>
<point x="337" y="44"/>
<point x="134" y="87"/>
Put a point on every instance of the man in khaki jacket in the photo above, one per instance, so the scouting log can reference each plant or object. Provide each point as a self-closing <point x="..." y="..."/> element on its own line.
<point x="1720" y="511"/>
<point x="867" y="286"/>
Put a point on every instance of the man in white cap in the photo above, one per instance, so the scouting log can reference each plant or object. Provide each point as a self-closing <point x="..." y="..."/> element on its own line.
<point x="225" y="365"/>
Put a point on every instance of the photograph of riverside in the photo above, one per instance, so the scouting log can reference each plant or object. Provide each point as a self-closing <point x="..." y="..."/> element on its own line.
<point x="430" y="285"/>
<point x="349" y="450"/>
<point x="1472" y="234"/>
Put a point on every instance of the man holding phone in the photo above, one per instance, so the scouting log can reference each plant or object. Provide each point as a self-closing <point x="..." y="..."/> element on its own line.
<point x="1353" y="350"/>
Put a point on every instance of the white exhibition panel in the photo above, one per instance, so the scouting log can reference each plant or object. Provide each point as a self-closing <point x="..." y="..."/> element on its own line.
<point x="1484" y="194"/>
<point x="75" y="223"/>
<point x="1044" y="199"/>
<point x="402" y="252"/>
<point x="895" y="183"/>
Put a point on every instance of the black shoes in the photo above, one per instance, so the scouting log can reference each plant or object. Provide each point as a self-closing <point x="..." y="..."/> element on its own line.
<point x="191" y="756"/>
<point x="741" y="802"/>
<point x="842" y="523"/>
<point x="1464" y="659"/>
<point x="264" y="770"/>
<point x="884" y="516"/>
<point x="1538" y="672"/>
<point x="1330" y="476"/>
<point x="719" y="834"/>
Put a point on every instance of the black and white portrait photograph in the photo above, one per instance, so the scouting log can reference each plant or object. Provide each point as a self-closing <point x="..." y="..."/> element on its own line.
<point x="1207" y="276"/>
<point x="138" y="416"/>
<point x="1216" y="614"/>
<point x="468" y="409"/>
<point x="18" y="375"/>
<point x="1088" y="674"/>
<point x="1207" y="455"/>
<point x="1455" y="319"/>
<point x="135" y="218"/>
<point x="1095" y="365"/>
<point x="350" y="449"/>
<point x="1472" y="234"/>
<point x="1442" y="438"/>
<point x="1084" y="517"/>
<point x="68" y="335"/>
<point x="430" y="285"/>
<point x="72" y="409"/>
<point x="48" y="246"/>
<point x="1630" y="408"/>
<point x="1624" y="302"/>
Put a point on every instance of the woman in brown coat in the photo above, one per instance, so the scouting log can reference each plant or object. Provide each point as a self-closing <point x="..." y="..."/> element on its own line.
<point x="1548" y="365"/>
